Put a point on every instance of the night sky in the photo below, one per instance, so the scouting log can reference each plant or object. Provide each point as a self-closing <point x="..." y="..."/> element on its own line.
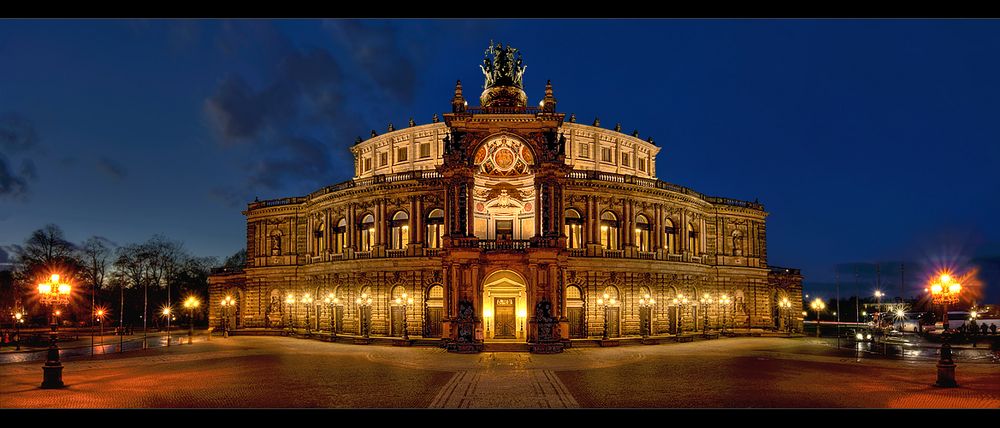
<point x="866" y="140"/>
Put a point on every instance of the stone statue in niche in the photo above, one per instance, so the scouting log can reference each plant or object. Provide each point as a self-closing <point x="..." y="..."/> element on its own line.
<point x="276" y="245"/>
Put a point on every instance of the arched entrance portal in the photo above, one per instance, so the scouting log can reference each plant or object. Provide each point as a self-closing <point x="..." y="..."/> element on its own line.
<point x="504" y="306"/>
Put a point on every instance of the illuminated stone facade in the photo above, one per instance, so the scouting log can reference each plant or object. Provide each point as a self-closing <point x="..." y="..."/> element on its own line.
<point x="507" y="223"/>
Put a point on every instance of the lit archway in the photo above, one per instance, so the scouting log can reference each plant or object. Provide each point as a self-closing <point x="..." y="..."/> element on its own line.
<point x="504" y="306"/>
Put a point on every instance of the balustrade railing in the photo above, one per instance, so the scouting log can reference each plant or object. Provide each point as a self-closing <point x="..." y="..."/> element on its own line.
<point x="613" y="254"/>
<point x="647" y="182"/>
<point x="395" y="253"/>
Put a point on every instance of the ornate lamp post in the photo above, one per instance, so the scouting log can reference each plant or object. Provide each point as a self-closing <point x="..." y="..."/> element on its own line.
<point x="191" y="303"/>
<point x="364" y="304"/>
<point x="290" y="301"/>
<point x="54" y="294"/>
<point x="706" y="301"/>
<point x="405" y="301"/>
<point x="307" y="300"/>
<point x="522" y="314"/>
<point x="645" y="304"/>
<point x="945" y="291"/>
<point x="332" y="302"/>
<point x="227" y="302"/>
<point x="18" y="320"/>
<point x="166" y="314"/>
<point x="817" y="305"/>
<point x="786" y="306"/>
<point x="681" y="302"/>
<point x="100" y="320"/>
<point x="724" y="302"/>
<point x="605" y="302"/>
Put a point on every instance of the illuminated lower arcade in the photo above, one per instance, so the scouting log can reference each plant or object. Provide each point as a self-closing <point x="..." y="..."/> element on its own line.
<point x="506" y="223"/>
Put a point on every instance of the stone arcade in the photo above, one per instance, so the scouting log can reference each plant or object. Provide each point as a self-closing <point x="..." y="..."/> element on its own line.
<point x="506" y="223"/>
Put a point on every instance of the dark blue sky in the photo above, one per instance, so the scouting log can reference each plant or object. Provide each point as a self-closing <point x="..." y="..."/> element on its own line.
<point x="867" y="140"/>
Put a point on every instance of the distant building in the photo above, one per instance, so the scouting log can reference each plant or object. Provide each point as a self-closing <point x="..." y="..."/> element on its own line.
<point x="508" y="222"/>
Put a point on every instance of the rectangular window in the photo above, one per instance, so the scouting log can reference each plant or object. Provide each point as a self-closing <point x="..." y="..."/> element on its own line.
<point x="368" y="164"/>
<point x="585" y="151"/>
<point x="383" y="159"/>
<point x="606" y="154"/>
<point x="625" y="158"/>
<point x="642" y="165"/>
<point x="425" y="150"/>
<point x="401" y="154"/>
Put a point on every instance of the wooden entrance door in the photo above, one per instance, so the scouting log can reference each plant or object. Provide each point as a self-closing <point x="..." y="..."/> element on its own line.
<point x="505" y="323"/>
<point x="613" y="322"/>
<point x="338" y="318"/>
<point x="434" y="321"/>
<point x="577" y="328"/>
<point x="397" y="321"/>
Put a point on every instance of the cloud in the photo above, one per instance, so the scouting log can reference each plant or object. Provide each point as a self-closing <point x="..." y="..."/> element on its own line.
<point x="383" y="53"/>
<point x="229" y="196"/>
<point x="113" y="169"/>
<point x="17" y="134"/>
<point x="18" y="137"/>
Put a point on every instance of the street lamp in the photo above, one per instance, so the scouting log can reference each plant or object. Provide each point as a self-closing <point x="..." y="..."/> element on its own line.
<point x="680" y="301"/>
<point x="724" y="302"/>
<point x="18" y="320"/>
<point x="100" y="319"/>
<point x="406" y="301"/>
<point x="227" y="302"/>
<point x="486" y="316"/>
<point x="786" y="306"/>
<point x="645" y="304"/>
<point x="706" y="301"/>
<point x="522" y="314"/>
<point x="878" y="309"/>
<point x="307" y="300"/>
<point x="605" y="303"/>
<point x="290" y="300"/>
<point x="191" y="303"/>
<point x="54" y="294"/>
<point x="817" y="305"/>
<point x="166" y="313"/>
<point x="945" y="291"/>
<point x="364" y="303"/>
<point x="333" y="302"/>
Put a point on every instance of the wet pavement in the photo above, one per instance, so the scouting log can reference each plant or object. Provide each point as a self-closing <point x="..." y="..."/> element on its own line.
<point x="247" y="371"/>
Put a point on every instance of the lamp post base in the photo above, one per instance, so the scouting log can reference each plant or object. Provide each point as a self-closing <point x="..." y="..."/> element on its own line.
<point x="946" y="376"/>
<point x="52" y="376"/>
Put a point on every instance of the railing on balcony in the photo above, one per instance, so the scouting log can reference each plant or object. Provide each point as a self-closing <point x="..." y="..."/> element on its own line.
<point x="362" y="254"/>
<point x="577" y="252"/>
<point x="432" y="252"/>
<point x="675" y="257"/>
<point x="647" y="182"/>
<point x="647" y="255"/>
<point x="420" y="174"/>
<point x="505" y="244"/>
<point x="613" y="254"/>
<point x="395" y="253"/>
<point x="503" y="110"/>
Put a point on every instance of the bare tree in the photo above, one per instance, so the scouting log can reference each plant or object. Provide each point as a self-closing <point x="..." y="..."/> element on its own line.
<point x="134" y="263"/>
<point x="95" y="254"/>
<point x="46" y="252"/>
<point x="167" y="261"/>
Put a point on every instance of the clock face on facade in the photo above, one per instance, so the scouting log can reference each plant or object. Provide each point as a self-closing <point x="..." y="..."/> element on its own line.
<point x="504" y="155"/>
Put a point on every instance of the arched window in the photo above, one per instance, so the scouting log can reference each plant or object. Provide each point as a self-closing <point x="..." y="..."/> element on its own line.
<point x="613" y="297"/>
<point x="693" y="240"/>
<point x="435" y="228"/>
<point x="367" y="230"/>
<point x="644" y="293"/>
<point x="318" y="233"/>
<point x="340" y="236"/>
<point x="399" y="229"/>
<point x="609" y="230"/>
<point x="669" y="236"/>
<point x="642" y="233"/>
<point x="574" y="229"/>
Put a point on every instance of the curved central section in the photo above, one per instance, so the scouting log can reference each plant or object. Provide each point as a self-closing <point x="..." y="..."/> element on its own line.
<point x="504" y="189"/>
<point x="504" y="306"/>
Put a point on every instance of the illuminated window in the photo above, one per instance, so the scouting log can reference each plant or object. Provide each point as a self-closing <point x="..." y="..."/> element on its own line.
<point x="401" y="154"/>
<point x="625" y="159"/>
<point x="435" y="228"/>
<point x="642" y="164"/>
<point x="584" y="151"/>
<point x="383" y="159"/>
<point x="318" y="241"/>
<point x="367" y="230"/>
<point x="399" y="228"/>
<point x="425" y="150"/>
<point x="340" y="236"/>
<point x="574" y="229"/>
<point x="693" y="239"/>
<point x="606" y="154"/>
<point x="609" y="230"/>
<point x="642" y="233"/>
<point x="669" y="236"/>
